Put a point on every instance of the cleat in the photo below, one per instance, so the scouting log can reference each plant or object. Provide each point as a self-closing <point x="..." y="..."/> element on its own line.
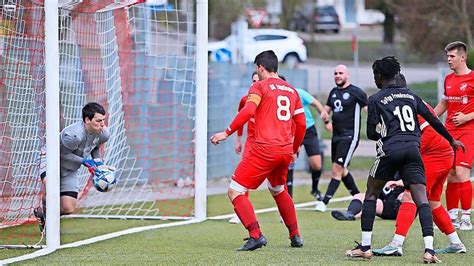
<point x="234" y="220"/>
<point x="430" y="258"/>
<point x="320" y="207"/>
<point x="253" y="244"/>
<point x="317" y="195"/>
<point x="452" y="249"/>
<point x="41" y="217"/>
<point x="465" y="225"/>
<point x="297" y="241"/>
<point x="358" y="253"/>
<point x="389" y="250"/>
<point x="343" y="216"/>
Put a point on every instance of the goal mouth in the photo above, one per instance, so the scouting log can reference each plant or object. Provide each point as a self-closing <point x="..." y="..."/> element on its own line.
<point x="133" y="59"/>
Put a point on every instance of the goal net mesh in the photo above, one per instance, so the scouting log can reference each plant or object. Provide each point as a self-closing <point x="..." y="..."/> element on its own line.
<point x="135" y="59"/>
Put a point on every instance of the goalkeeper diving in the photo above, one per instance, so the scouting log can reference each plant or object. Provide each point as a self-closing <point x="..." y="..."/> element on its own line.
<point x="79" y="145"/>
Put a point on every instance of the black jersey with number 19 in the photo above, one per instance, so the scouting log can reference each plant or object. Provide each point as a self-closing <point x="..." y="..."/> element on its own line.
<point x="395" y="109"/>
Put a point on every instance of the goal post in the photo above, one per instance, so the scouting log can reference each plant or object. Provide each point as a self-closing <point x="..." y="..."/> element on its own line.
<point x="146" y="65"/>
<point x="51" y="58"/>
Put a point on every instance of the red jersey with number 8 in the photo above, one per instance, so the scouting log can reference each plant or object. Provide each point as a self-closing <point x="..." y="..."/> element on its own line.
<point x="459" y="94"/>
<point x="273" y="117"/>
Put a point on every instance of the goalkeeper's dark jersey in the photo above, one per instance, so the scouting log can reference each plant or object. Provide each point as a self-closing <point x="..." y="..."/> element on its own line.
<point x="395" y="109"/>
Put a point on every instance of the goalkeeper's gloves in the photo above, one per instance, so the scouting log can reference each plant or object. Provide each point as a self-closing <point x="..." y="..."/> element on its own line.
<point x="91" y="166"/>
<point x="101" y="166"/>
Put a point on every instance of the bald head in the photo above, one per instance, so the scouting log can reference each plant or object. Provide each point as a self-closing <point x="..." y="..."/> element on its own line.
<point x="341" y="76"/>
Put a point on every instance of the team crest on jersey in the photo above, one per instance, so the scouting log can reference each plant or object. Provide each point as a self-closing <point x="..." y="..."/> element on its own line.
<point x="334" y="95"/>
<point x="345" y="96"/>
<point x="463" y="87"/>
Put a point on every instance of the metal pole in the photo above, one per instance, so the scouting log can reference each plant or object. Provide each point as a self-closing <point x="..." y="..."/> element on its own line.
<point x="52" y="123"/>
<point x="201" y="140"/>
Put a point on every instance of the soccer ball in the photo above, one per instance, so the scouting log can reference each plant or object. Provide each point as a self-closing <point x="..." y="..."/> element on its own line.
<point x="105" y="181"/>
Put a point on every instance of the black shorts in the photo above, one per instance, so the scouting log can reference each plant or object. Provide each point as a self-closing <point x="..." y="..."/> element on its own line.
<point x="342" y="151"/>
<point x="391" y="203"/>
<point x="73" y="194"/>
<point x="406" y="161"/>
<point x="311" y="142"/>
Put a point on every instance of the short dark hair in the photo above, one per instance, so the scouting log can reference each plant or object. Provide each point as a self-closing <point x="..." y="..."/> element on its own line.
<point x="90" y="109"/>
<point x="400" y="80"/>
<point x="268" y="60"/>
<point x="253" y="74"/>
<point x="457" y="45"/>
<point x="387" y="67"/>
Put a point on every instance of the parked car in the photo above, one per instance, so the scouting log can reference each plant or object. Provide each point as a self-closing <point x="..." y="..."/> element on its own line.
<point x="288" y="47"/>
<point x="324" y="18"/>
<point x="371" y="17"/>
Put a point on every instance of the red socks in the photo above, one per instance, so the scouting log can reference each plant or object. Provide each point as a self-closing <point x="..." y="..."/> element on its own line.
<point x="465" y="191"/>
<point x="442" y="220"/>
<point x="287" y="212"/>
<point x="406" y="216"/>
<point x="453" y="194"/>
<point x="244" y="210"/>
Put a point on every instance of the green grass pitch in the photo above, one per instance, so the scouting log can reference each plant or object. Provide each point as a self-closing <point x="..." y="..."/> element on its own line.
<point x="214" y="242"/>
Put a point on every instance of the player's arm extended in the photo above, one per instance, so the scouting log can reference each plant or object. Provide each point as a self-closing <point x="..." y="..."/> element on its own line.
<point x="300" y="129"/>
<point x="372" y="132"/>
<point x="372" y="121"/>
<point x="434" y="121"/>
<point x="245" y="114"/>
<point x="240" y="131"/>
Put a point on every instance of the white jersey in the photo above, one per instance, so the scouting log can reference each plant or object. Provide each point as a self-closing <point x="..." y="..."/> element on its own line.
<point x="77" y="144"/>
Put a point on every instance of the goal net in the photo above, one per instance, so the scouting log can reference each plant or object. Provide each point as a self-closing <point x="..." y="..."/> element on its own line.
<point x="135" y="59"/>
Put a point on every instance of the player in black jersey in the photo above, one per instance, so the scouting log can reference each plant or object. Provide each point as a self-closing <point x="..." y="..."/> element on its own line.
<point x="345" y="102"/>
<point x="395" y="110"/>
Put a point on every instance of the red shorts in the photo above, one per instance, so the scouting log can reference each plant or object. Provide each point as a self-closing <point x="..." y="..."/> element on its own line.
<point x="248" y="146"/>
<point x="436" y="171"/>
<point x="260" y="164"/>
<point x="464" y="159"/>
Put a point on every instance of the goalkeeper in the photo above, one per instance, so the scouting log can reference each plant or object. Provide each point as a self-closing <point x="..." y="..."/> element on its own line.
<point x="79" y="145"/>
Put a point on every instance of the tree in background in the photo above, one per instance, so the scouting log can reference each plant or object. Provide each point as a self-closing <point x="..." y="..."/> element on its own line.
<point x="223" y="12"/>
<point x="288" y="8"/>
<point x="429" y="25"/>
<point x="389" y="25"/>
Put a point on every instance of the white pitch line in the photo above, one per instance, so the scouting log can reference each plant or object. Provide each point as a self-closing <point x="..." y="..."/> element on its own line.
<point x="47" y="251"/>
<point x="299" y="205"/>
<point x="92" y="240"/>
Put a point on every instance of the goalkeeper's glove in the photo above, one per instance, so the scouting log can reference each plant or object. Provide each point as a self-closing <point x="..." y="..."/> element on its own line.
<point x="101" y="166"/>
<point x="91" y="166"/>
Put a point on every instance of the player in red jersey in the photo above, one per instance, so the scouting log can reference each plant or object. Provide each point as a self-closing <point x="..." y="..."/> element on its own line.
<point x="275" y="104"/>
<point x="250" y="125"/>
<point x="438" y="158"/>
<point x="250" y="138"/>
<point x="458" y="101"/>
